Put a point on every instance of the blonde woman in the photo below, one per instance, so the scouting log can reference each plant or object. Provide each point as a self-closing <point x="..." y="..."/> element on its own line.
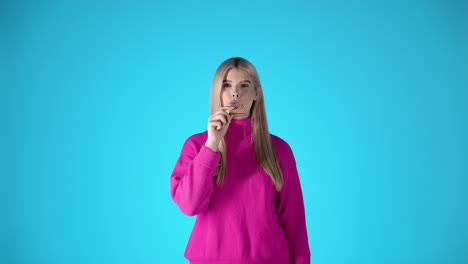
<point x="240" y="181"/>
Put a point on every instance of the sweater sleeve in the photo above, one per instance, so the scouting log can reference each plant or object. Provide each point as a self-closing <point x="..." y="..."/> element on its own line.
<point x="191" y="181"/>
<point x="291" y="212"/>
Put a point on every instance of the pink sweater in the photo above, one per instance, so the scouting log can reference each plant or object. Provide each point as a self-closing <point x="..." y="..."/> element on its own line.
<point x="245" y="220"/>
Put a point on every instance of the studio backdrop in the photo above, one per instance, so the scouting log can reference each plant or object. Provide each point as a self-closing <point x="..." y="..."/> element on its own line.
<point x="97" y="98"/>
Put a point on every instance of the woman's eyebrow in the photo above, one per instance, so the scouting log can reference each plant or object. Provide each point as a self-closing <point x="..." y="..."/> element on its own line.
<point x="224" y="81"/>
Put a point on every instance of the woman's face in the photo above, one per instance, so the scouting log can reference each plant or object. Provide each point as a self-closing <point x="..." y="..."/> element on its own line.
<point x="238" y="90"/>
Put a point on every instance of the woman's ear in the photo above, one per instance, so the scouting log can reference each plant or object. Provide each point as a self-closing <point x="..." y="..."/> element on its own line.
<point x="257" y="90"/>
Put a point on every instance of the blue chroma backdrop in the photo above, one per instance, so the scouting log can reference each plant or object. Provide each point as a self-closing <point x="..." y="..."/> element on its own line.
<point x="97" y="98"/>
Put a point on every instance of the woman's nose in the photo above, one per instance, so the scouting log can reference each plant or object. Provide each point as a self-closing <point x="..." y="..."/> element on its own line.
<point x="235" y="92"/>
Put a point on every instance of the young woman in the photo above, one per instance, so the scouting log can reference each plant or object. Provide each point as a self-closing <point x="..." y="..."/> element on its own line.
<point x="240" y="181"/>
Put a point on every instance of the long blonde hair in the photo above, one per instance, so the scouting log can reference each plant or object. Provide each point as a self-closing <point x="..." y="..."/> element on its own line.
<point x="263" y="147"/>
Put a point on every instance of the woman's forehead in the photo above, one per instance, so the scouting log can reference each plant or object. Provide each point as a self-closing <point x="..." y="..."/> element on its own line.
<point x="237" y="75"/>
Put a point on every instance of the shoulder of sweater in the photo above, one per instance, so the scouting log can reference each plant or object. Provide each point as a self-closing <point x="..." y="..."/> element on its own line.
<point x="196" y="141"/>
<point x="282" y="148"/>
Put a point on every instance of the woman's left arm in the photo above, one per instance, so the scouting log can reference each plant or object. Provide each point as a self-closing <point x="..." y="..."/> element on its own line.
<point x="291" y="213"/>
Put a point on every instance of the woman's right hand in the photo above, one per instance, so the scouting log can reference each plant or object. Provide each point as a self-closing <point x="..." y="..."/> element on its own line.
<point x="218" y="124"/>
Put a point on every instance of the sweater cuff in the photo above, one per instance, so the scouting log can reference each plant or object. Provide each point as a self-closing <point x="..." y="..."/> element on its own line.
<point x="208" y="157"/>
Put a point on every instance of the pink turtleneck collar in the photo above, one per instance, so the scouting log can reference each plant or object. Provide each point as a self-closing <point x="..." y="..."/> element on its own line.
<point x="239" y="129"/>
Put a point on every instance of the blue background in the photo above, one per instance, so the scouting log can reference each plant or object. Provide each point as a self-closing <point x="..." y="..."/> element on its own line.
<point x="97" y="98"/>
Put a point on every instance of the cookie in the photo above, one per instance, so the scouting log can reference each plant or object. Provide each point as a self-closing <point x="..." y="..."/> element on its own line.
<point x="238" y="109"/>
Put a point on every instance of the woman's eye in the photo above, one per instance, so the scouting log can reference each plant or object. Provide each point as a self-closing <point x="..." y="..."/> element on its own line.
<point x="226" y="85"/>
<point x="244" y="85"/>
